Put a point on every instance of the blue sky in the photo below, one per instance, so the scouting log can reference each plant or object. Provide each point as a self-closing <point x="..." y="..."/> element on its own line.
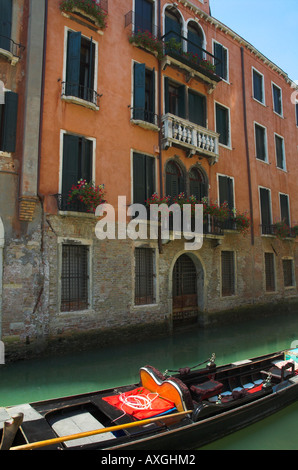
<point x="271" y="26"/>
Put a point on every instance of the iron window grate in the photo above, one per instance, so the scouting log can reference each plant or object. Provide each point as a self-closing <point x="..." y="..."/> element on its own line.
<point x="74" y="278"/>
<point x="227" y="273"/>
<point x="287" y="265"/>
<point x="269" y="272"/>
<point x="144" y="276"/>
<point x="184" y="277"/>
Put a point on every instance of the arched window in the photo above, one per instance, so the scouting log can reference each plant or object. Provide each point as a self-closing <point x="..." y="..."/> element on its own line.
<point x="174" y="180"/>
<point x="195" y="37"/>
<point x="172" y="25"/>
<point x="197" y="184"/>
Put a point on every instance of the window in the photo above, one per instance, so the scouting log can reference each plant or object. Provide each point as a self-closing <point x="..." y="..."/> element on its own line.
<point x="261" y="142"/>
<point x="8" y="122"/>
<point x="174" y="180"/>
<point x="144" y="276"/>
<point x="227" y="273"/>
<point x="269" y="272"/>
<point x="280" y="152"/>
<point x="296" y="107"/>
<point x="288" y="271"/>
<point x="74" y="278"/>
<point x="258" y="86"/>
<point x="223" y="124"/>
<point x="284" y="208"/>
<point x="226" y="190"/>
<point x="143" y="15"/>
<point x="5" y="24"/>
<point x="80" y="68"/>
<point x="77" y="164"/>
<point x="277" y="99"/>
<point x="265" y="209"/>
<point x="195" y="40"/>
<point x="221" y="61"/>
<point x="185" y="103"/>
<point x="197" y="184"/>
<point x="143" y="177"/>
<point x="172" y="25"/>
<point x="144" y="94"/>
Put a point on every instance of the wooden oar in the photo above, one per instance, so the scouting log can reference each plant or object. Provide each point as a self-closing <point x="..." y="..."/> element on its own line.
<point x="57" y="440"/>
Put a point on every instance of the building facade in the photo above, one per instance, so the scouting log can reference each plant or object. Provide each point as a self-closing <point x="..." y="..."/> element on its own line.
<point x="144" y="97"/>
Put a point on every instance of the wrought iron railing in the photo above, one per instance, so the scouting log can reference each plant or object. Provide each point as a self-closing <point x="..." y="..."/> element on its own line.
<point x="142" y="114"/>
<point x="11" y="46"/>
<point x="64" y="204"/>
<point x="82" y="92"/>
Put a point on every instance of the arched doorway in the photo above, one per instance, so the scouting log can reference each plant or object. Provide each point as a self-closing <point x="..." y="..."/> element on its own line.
<point x="187" y="289"/>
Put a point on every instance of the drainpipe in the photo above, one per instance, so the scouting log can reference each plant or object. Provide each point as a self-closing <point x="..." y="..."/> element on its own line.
<point x="247" y="149"/>
<point x="159" y="102"/>
<point x="1" y="274"/>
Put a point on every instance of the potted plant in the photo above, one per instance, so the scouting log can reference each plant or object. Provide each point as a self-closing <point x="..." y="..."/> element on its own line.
<point x="87" y="193"/>
<point x="148" y="41"/>
<point x="88" y="8"/>
<point x="281" y="230"/>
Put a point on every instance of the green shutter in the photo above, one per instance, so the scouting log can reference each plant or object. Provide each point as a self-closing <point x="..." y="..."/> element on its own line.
<point x="222" y="124"/>
<point x="85" y="160"/>
<point x="284" y="208"/>
<point x="265" y="208"/>
<point x="9" y="124"/>
<point x="73" y="63"/>
<point x="70" y="170"/>
<point x="221" y="64"/>
<point x="139" y="164"/>
<point x="139" y="91"/>
<point x="260" y="143"/>
<point x="150" y="176"/>
<point x="197" y="108"/>
<point x="181" y="101"/>
<point x="166" y="94"/>
<point x="226" y="191"/>
<point x="5" y="24"/>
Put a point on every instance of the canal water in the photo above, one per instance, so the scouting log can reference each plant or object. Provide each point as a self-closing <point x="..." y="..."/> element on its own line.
<point x="70" y="374"/>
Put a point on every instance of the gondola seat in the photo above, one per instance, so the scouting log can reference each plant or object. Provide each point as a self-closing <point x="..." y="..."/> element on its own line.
<point x="206" y="390"/>
<point x="168" y="388"/>
<point x="280" y="371"/>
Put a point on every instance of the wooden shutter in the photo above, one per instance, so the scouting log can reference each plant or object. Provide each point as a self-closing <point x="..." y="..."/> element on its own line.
<point x="70" y="170"/>
<point x="279" y="151"/>
<point x="181" y="101"/>
<point x="9" y="124"/>
<point x="277" y="99"/>
<point x="139" y="91"/>
<point x="222" y="124"/>
<point x="139" y="163"/>
<point x="5" y="24"/>
<point x="258" y="86"/>
<point x="172" y="27"/>
<point x="221" y="64"/>
<point x="85" y="159"/>
<point x="143" y="15"/>
<point x="195" y="43"/>
<point x="166" y="94"/>
<point x="226" y="191"/>
<point x="284" y="208"/>
<point x="174" y="180"/>
<point x="197" y="108"/>
<point x="265" y="210"/>
<point x="73" y="63"/>
<point x="260" y="142"/>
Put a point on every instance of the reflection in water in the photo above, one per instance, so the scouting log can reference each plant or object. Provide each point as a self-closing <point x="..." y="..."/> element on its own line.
<point x="92" y="370"/>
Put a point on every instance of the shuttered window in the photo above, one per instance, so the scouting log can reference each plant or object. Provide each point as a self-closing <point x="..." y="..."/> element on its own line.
<point x="260" y="137"/>
<point x="195" y="40"/>
<point x="269" y="272"/>
<point x="288" y="272"/>
<point x="80" y="67"/>
<point x="74" y="278"/>
<point x="265" y="206"/>
<point x="5" y="24"/>
<point x="143" y="15"/>
<point x="227" y="273"/>
<point x="277" y="100"/>
<point x="77" y="162"/>
<point x="284" y="208"/>
<point x="143" y="177"/>
<point x="144" y="276"/>
<point x="226" y="190"/>
<point x="258" y="86"/>
<point x="296" y="106"/>
<point x="197" y="184"/>
<point x="144" y="94"/>
<point x="172" y="26"/>
<point x="222" y="124"/>
<point x="8" y="122"/>
<point x="174" y="180"/>
<point x="175" y="98"/>
<point x="197" y="108"/>
<point x="280" y="154"/>
<point x="221" y="64"/>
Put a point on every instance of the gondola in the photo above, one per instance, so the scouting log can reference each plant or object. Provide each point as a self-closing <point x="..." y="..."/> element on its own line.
<point x="175" y="410"/>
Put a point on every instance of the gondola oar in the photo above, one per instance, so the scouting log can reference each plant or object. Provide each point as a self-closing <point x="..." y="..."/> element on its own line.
<point x="57" y="440"/>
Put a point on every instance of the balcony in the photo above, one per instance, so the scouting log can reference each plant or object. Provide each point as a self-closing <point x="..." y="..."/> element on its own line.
<point x="10" y="49"/>
<point x="191" y="137"/>
<point x="79" y="94"/>
<point x="195" y="61"/>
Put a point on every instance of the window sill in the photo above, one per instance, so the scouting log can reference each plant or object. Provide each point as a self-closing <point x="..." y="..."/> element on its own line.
<point x="145" y="125"/>
<point x="76" y="214"/>
<point x="260" y="102"/>
<point x="8" y="55"/>
<point x="86" y="311"/>
<point x="80" y="102"/>
<point x="262" y="161"/>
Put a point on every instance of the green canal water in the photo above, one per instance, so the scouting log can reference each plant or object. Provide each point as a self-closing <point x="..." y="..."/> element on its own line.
<point x="70" y="374"/>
